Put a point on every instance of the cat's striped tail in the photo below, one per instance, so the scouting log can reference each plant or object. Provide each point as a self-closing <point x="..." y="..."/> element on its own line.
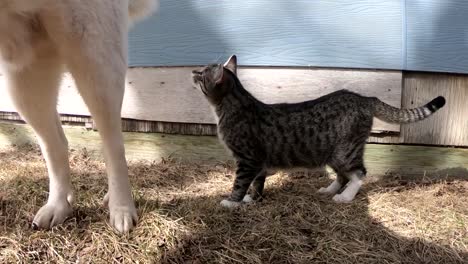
<point x="392" y="114"/>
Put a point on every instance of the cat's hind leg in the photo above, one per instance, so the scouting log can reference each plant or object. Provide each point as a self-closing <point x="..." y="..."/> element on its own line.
<point x="256" y="194"/>
<point x="353" y="168"/>
<point x="340" y="181"/>
<point x="355" y="183"/>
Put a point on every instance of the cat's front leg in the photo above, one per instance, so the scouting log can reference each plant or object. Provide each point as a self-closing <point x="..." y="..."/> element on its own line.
<point x="245" y="174"/>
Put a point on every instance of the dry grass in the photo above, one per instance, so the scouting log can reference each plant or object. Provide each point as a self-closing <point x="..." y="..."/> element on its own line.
<point x="391" y="221"/>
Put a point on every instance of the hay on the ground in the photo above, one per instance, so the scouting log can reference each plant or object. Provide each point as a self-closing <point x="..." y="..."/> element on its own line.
<point x="391" y="221"/>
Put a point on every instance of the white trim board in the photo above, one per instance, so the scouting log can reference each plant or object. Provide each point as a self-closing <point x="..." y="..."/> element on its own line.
<point x="165" y="93"/>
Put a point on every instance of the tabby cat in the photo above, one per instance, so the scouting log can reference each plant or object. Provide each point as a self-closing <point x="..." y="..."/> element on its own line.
<point x="331" y="130"/>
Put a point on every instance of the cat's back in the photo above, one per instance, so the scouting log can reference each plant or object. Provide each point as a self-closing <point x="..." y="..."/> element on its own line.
<point x="338" y="99"/>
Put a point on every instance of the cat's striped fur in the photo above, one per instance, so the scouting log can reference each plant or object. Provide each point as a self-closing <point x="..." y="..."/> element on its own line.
<point x="331" y="130"/>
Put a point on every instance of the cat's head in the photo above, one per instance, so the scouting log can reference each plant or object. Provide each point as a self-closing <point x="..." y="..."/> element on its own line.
<point x="216" y="80"/>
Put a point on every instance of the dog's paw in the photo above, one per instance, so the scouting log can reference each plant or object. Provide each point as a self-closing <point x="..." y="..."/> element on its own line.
<point x="340" y="198"/>
<point x="51" y="214"/>
<point x="248" y="199"/>
<point x="123" y="218"/>
<point x="229" y="204"/>
<point x="123" y="214"/>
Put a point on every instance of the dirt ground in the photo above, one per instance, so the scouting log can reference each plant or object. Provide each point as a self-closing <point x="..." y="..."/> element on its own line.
<point x="392" y="220"/>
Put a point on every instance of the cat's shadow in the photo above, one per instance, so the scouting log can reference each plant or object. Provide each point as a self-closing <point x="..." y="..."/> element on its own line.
<point x="294" y="224"/>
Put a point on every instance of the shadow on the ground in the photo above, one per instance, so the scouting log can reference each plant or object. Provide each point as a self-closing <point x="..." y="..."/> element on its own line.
<point x="292" y="225"/>
<point x="295" y="225"/>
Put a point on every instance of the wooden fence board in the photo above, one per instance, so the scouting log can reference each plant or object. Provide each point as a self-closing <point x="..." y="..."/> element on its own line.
<point x="449" y="126"/>
<point x="166" y="94"/>
<point x="379" y="159"/>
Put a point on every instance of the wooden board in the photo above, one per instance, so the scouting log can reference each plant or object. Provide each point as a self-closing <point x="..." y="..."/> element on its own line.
<point x="165" y="94"/>
<point x="437" y="35"/>
<point x="407" y="160"/>
<point x="449" y="126"/>
<point x="379" y="159"/>
<point x="129" y="125"/>
<point x="346" y="33"/>
<point x="138" y="146"/>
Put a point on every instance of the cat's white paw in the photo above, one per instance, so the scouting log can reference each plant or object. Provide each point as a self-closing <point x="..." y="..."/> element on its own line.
<point x="333" y="188"/>
<point x="247" y="199"/>
<point x="229" y="204"/>
<point x="340" y="198"/>
<point x="323" y="190"/>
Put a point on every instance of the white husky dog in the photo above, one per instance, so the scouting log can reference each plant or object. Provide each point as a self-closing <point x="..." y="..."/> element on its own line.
<point x="39" y="40"/>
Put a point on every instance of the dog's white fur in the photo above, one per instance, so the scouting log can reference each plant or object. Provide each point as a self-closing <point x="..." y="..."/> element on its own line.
<point x="39" y="39"/>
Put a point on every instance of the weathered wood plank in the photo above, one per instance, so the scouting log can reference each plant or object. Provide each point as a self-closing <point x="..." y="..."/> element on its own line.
<point x="449" y="126"/>
<point x="166" y="94"/>
<point x="385" y="138"/>
<point x="346" y="33"/>
<point x="149" y="146"/>
<point x="66" y="119"/>
<point x="415" y="160"/>
<point x="171" y="128"/>
<point x="437" y="35"/>
<point x="129" y="125"/>
<point x="379" y="159"/>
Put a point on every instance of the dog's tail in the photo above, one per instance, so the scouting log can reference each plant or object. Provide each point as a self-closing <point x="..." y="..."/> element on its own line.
<point x="139" y="9"/>
<point x="392" y="114"/>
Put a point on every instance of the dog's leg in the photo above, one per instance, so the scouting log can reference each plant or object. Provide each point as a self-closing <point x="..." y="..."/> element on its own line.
<point x="99" y="72"/>
<point x="102" y="89"/>
<point x="34" y="91"/>
<point x="92" y="41"/>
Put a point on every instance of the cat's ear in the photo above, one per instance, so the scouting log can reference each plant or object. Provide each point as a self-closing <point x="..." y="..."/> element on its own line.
<point x="218" y="74"/>
<point x="231" y="64"/>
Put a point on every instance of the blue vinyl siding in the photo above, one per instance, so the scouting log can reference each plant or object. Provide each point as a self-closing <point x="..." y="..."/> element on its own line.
<point x="349" y="33"/>
<point x="437" y="35"/>
<point x="385" y="34"/>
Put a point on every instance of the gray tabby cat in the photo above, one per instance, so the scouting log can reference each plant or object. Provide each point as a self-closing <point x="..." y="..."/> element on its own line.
<point x="331" y="130"/>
